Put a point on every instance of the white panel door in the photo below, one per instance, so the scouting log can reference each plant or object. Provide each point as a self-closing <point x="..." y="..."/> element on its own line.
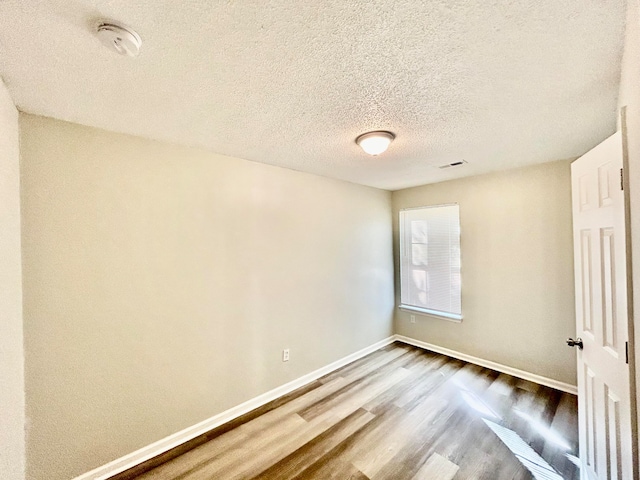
<point x="604" y="396"/>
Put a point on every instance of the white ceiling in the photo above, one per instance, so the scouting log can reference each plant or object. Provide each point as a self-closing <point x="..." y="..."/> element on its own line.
<point x="499" y="83"/>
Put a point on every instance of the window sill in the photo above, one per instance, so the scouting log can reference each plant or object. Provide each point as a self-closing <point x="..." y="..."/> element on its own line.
<point x="452" y="317"/>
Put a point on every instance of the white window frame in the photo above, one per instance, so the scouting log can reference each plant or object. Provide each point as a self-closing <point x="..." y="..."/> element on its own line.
<point x="405" y="259"/>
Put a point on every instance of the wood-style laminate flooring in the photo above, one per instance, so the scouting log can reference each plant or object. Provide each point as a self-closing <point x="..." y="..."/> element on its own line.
<point x="399" y="413"/>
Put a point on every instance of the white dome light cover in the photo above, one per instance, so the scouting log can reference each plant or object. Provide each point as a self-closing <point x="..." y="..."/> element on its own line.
<point x="375" y="143"/>
<point x="121" y="39"/>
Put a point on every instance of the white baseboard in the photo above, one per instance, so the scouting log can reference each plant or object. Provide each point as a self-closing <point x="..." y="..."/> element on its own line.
<point x="532" y="377"/>
<point x="145" y="453"/>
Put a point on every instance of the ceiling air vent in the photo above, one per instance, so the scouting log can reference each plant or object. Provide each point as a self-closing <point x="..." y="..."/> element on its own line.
<point x="454" y="164"/>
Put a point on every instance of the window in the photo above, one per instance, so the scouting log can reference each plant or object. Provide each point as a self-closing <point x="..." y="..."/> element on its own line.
<point x="430" y="261"/>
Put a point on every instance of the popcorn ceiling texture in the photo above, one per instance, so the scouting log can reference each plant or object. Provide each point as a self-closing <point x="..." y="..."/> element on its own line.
<point x="497" y="83"/>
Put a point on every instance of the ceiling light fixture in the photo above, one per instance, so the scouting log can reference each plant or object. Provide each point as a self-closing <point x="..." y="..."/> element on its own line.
<point x="121" y="39"/>
<point x="375" y="143"/>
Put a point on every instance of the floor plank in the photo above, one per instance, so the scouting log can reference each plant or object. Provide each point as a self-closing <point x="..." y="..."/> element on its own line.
<point x="399" y="413"/>
<point x="301" y="459"/>
<point x="437" y="467"/>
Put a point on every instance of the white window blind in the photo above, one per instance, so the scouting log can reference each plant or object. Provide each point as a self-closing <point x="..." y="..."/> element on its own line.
<point x="430" y="260"/>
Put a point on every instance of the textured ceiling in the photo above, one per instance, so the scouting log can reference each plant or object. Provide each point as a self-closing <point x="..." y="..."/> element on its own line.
<point x="498" y="83"/>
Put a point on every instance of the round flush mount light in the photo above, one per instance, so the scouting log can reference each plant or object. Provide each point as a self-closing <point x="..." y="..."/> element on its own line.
<point x="121" y="39"/>
<point x="375" y="143"/>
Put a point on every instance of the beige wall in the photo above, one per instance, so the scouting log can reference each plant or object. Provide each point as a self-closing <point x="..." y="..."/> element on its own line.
<point x="161" y="284"/>
<point x="517" y="269"/>
<point x="630" y="97"/>
<point x="11" y="344"/>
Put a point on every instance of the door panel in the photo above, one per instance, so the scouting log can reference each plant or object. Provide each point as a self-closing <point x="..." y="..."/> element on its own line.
<point x="608" y="290"/>
<point x="612" y="418"/>
<point x="585" y="260"/>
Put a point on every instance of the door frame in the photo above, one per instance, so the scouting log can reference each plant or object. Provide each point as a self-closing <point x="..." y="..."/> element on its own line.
<point x="633" y="366"/>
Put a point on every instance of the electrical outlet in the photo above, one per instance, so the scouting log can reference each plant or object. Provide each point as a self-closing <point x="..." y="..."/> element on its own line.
<point x="285" y="355"/>
<point x="413" y="319"/>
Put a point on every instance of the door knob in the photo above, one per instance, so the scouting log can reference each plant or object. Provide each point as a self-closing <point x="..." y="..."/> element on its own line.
<point x="575" y="343"/>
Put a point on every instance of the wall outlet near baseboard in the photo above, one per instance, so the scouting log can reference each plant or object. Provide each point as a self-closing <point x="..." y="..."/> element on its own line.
<point x="413" y="319"/>
<point x="285" y="355"/>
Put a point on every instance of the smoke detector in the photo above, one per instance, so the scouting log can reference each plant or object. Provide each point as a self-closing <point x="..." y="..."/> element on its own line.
<point x="121" y="39"/>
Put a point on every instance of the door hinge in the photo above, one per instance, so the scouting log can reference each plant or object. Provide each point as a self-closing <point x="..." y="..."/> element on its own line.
<point x="626" y="351"/>
<point x="621" y="179"/>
